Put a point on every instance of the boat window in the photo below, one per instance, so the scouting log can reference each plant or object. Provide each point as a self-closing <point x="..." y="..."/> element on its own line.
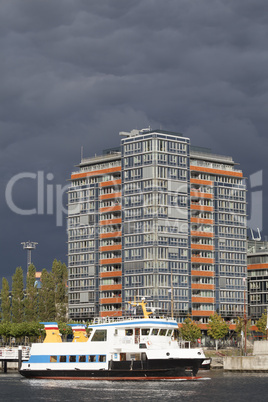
<point x="155" y="331"/>
<point x="129" y="332"/>
<point x="102" y="358"/>
<point x="82" y="359"/>
<point x="53" y="359"/>
<point x="145" y="331"/>
<point x="72" y="359"/>
<point x="162" y="332"/>
<point x="92" y="358"/>
<point x="169" y="332"/>
<point x="176" y="334"/>
<point x="100" y="335"/>
<point x="63" y="359"/>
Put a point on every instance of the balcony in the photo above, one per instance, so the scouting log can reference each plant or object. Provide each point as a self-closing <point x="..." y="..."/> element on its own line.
<point x="111" y="300"/>
<point x="110" y="183"/>
<point x="110" y="234"/>
<point x="195" y="272"/>
<point x="200" y="299"/>
<point x="111" y="274"/>
<point x="111" y="261"/>
<point x="117" y="286"/>
<point x="110" y="195"/>
<point x="202" y="313"/>
<point x="113" y="313"/>
<point x="201" y="286"/>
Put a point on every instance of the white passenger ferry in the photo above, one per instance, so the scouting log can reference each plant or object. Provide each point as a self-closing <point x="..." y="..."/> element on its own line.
<point x="127" y="349"/>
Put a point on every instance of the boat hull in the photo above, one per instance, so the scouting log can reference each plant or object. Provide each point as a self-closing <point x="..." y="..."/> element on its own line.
<point x="157" y="369"/>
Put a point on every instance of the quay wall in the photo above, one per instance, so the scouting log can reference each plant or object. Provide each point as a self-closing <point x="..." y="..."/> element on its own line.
<point x="246" y="363"/>
<point x="260" y="348"/>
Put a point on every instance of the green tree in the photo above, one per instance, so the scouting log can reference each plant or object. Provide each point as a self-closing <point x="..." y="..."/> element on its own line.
<point x="261" y="324"/>
<point x="217" y="327"/>
<point x="30" y="301"/>
<point x="17" y="308"/>
<point x="60" y="276"/>
<point x="5" y="329"/>
<point x="240" y="326"/>
<point x="47" y="309"/>
<point x="5" y="301"/>
<point x="189" y="330"/>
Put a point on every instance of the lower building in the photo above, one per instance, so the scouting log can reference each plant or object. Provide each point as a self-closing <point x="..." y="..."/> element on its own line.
<point x="257" y="279"/>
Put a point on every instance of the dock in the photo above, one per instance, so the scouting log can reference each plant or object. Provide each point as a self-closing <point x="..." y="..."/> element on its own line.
<point x="15" y="354"/>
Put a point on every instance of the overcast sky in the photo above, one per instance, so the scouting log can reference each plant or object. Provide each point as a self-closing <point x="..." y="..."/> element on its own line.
<point x="74" y="73"/>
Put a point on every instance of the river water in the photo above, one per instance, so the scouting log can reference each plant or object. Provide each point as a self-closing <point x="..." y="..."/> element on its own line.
<point x="213" y="386"/>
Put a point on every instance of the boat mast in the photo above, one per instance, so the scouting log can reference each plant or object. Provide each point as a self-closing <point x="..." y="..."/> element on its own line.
<point x="172" y="300"/>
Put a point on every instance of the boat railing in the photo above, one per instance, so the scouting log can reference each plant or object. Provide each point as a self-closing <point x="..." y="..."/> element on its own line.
<point x="107" y="320"/>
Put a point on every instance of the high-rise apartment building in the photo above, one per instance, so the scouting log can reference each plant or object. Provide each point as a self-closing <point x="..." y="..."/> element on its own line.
<point x="161" y="219"/>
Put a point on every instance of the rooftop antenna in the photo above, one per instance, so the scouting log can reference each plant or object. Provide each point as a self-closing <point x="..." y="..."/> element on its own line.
<point x="257" y="238"/>
<point x="29" y="246"/>
<point x="82" y="152"/>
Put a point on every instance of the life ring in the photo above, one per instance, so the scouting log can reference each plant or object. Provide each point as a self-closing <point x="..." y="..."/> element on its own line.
<point x="149" y="343"/>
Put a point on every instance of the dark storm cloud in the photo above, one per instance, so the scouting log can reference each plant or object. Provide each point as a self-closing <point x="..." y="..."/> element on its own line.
<point x="75" y="73"/>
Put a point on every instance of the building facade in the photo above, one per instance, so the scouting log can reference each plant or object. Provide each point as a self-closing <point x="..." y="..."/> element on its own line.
<point x="257" y="279"/>
<point x="161" y="219"/>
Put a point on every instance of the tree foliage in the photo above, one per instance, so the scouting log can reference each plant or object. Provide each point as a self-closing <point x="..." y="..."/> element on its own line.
<point x="17" y="296"/>
<point x="60" y="276"/>
<point x="5" y="301"/>
<point x="30" y="302"/>
<point x="47" y="307"/>
<point x="217" y="327"/>
<point x="240" y="326"/>
<point x="262" y="323"/>
<point x="29" y="306"/>
<point x="189" y="330"/>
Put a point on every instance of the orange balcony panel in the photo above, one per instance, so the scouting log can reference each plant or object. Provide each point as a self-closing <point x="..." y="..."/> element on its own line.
<point x="110" y="195"/>
<point x="205" y="182"/>
<point x="110" y="274"/>
<point x="196" y="272"/>
<point x="257" y="266"/>
<point x="216" y="171"/>
<point x="111" y="183"/>
<point x="111" y="261"/>
<point x="200" y="195"/>
<point x="95" y="172"/>
<point x="202" y="220"/>
<point x="202" y="247"/>
<point x="111" y="300"/>
<point x="111" y="313"/>
<point x="201" y="207"/>
<point x="201" y="234"/>
<point x="111" y="248"/>
<point x="202" y="313"/>
<point x="205" y="286"/>
<point x="111" y="287"/>
<point x="203" y="260"/>
<point x="203" y="299"/>
<point x="111" y="208"/>
<point x="110" y="221"/>
<point x="110" y="234"/>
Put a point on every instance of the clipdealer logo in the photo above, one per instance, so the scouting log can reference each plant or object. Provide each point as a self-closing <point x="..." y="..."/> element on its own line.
<point x="49" y="196"/>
